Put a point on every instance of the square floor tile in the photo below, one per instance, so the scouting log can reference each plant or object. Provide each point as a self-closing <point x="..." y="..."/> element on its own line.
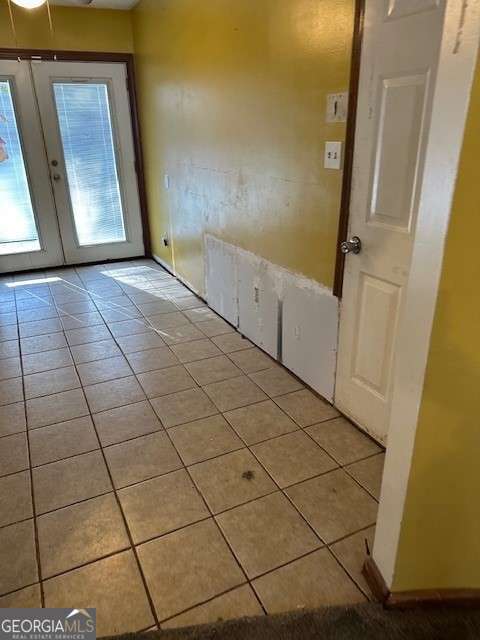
<point x="344" y="442"/>
<point x="314" y="581"/>
<point x="12" y="419"/>
<point x="230" y="480"/>
<point x="17" y="556"/>
<point x="79" y="534"/>
<point x="141" y="458"/>
<point x="204" y="439"/>
<point x="24" y="303"/>
<point x="260" y="421"/>
<point x="115" y="313"/>
<point x="76" y="308"/>
<point x="10" y="368"/>
<point x="185" y="333"/>
<point x="81" y="320"/>
<point x="8" y="333"/>
<point x="276" y="381"/>
<point x="369" y="473"/>
<point x="30" y="315"/>
<point x="13" y="454"/>
<point x="351" y="553"/>
<point x="87" y="334"/>
<point x="213" y="328"/>
<point x="195" y="350"/>
<point x="334" y="505"/>
<point x="113" y="586"/>
<point x="129" y="327"/>
<point x="154" y="308"/>
<point x="166" y="381"/>
<point x="184" y="406"/>
<point x="187" y="567"/>
<point x="62" y="483"/>
<point x="63" y="440"/>
<point x="164" y="321"/>
<point x="37" y="344"/>
<point x="305" y="408"/>
<point x="95" y="351"/>
<point x="213" y="370"/>
<point x="140" y="342"/>
<point x="143" y="361"/>
<point x="103" y="370"/>
<point x="46" y="360"/>
<point x="251" y="360"/>
<point x="9" y="349"/>
<point x="56" y="408"/>
<point x="15" y="498"/>
<point x="292" y="458"/>
<point x="234" y="393"/>
<point x="49" y="382"/>
<point x="40" y="327"/>
<point x="11" y="391"/>
<point x="115" y="393"/>
<point x="200" y="314"/>
<point x="7" y="318"/>
<point x="238" y="603"/>
<point x="27" y="598"/>
<point x="267" y="533"/>
<point x="125" y="423"/>
<point x="161" y="505"/>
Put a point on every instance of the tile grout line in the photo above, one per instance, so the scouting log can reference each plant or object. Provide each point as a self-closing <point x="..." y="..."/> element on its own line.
<point x="312" y="529"/>
<point x="119" y="506"/>
<point x="32" y="490"/>
<point x="299" y="427"/>
<point x="185" y="468"/>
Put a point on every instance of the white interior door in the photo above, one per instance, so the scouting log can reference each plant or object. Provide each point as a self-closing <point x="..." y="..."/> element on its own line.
<point x="29" y="234"/>
<point x="86" y="119"/>
<point x="398" y="68"/>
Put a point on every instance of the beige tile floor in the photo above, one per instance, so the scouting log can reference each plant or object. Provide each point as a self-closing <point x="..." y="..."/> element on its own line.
<point x="156" y="465"/>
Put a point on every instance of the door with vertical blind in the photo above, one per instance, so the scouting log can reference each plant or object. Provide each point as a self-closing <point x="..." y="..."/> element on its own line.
<point x="74" y="129"/>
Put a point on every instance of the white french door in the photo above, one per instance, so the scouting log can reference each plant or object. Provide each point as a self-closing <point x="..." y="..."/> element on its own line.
<point x="68" y="183"/>
<point x="29" y="236"/>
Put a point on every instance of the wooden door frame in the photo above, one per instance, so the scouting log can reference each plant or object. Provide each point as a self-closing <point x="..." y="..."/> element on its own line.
<point x="349" y="145"/>
<point x="128" y="59"/>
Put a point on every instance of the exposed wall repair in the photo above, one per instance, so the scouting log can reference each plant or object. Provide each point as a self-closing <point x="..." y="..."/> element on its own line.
<point x="291" y="317"/>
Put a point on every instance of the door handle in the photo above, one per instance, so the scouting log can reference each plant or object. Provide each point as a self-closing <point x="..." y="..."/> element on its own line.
<point x="354" y="245"/>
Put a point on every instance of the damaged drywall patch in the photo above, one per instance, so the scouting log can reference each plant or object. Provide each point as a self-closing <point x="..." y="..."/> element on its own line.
<point x="293" y="318"/>
<point x="221" y="280"/>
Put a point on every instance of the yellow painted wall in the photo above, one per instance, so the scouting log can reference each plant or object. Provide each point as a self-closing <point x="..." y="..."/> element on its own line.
<point x="440" y="536"/>
<point x="232" y="99"/>
<point x="76" y="29"/>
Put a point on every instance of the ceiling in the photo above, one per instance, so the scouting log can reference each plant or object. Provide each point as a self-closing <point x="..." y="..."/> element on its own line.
<point x="98" y="4"/>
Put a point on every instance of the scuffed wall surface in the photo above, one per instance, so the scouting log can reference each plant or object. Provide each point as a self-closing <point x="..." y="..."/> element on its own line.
<point x="233" y="98"/>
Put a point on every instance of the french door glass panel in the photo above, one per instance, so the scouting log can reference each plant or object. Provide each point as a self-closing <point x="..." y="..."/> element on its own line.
<point x="18" y="229"/>
<point x="85" y="113"/>
<point x="86" y="132"/>
<point x="29" y="233"/>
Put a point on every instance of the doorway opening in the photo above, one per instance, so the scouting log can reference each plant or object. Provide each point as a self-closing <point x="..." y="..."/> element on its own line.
<point x="71" y="189"/>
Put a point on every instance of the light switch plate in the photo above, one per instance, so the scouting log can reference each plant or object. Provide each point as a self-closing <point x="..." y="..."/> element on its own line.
<point x="337" y="107"/>
<point x="333" y="155"/>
